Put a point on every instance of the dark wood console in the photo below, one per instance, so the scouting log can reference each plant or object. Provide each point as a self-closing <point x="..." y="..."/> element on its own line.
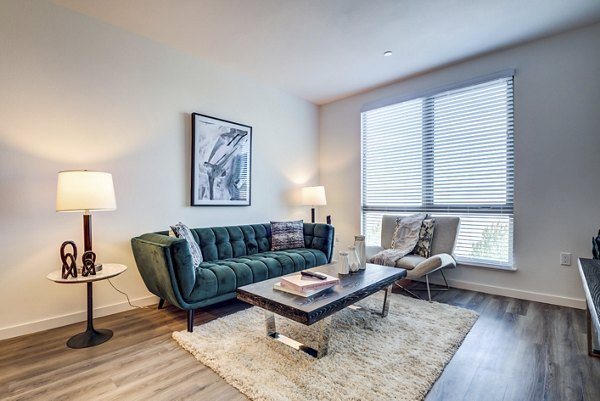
<point x="589" y="269"/>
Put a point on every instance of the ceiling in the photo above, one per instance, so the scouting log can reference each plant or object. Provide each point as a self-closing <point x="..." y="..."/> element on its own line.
<point x="324" y="50"/>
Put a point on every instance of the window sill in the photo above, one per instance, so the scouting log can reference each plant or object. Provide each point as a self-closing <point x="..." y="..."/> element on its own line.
<point x="486" y="266"/>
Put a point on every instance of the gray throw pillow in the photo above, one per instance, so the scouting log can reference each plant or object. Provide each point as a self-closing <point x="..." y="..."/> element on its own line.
<point x="182" y="231"/>
<point x="423" y="247"/>
<point x="287" y="235"/>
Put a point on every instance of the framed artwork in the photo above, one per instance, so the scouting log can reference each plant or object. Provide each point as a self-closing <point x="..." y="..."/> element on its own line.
<point x="221" y="156"/>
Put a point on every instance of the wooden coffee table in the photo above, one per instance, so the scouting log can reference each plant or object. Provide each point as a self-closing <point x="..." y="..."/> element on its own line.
<point x="318" y="308"/>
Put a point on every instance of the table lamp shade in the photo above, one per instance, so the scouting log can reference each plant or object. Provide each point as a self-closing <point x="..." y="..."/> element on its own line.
<point x="314" y="196"/>
<point x="83" y="190"/>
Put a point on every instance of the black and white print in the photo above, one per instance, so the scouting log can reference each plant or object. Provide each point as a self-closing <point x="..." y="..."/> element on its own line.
<point x="221" y="153"/>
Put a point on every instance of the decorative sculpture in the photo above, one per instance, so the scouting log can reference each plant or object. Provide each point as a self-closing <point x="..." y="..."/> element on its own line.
<point x="596" y="246"/>
<point x="89" y="264"/>
<point x="69" y="260"/>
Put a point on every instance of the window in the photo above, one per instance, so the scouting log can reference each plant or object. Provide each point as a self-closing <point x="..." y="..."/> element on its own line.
<point x="449" y="153"/>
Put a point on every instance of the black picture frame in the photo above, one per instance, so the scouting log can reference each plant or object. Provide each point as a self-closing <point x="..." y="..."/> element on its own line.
<point x="221" y="162"/>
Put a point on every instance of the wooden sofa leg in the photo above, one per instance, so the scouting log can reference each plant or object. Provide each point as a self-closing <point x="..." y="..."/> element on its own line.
<point x="190" y="320"/>
<point x="161" y="303"/>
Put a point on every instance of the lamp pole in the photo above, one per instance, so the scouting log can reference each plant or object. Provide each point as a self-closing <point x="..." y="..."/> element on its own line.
<point x="87" y="231"/>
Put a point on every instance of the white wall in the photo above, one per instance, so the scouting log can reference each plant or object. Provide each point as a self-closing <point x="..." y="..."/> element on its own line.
<point x="78" y="93"/>
<point x="557" y="161"/>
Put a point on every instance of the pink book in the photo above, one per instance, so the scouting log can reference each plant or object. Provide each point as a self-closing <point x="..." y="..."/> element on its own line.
<point x="302" y="283"/>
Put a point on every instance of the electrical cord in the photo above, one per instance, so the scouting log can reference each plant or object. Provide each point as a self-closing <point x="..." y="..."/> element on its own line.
<point x="127" y="296"/>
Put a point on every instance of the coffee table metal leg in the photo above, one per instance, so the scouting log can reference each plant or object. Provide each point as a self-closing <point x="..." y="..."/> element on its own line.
<point x="386" y="301"/>
<point x="270" y="323"/>
<point x="324" y="332"/>
<point x="322" y="342"/>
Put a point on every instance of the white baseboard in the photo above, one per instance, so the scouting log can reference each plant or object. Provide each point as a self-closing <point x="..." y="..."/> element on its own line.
<point x="63" y="320"/>
<point x="519" y="294"/>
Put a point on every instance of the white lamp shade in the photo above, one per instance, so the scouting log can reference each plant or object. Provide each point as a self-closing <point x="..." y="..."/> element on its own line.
<point x="314" y="196"/>
<point x="85" y="190"/>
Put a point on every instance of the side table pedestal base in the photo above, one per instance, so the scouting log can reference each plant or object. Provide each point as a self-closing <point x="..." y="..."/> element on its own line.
<point x="89" y="338"/>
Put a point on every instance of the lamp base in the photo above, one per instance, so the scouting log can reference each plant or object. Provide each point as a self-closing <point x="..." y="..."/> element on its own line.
<point x="89" y="338"/>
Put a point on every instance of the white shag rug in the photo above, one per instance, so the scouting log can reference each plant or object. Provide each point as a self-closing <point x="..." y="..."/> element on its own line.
<point x="370" y="358"/>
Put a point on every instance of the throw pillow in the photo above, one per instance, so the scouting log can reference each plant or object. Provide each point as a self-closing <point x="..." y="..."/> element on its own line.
<point x="423" y="247"/>
<point x="407" y="230"/>
<point x="287" y="235"/>
<point x="182" y="231"/>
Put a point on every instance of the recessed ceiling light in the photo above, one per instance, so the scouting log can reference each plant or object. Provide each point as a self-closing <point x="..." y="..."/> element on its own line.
<point x="387" y="53"/>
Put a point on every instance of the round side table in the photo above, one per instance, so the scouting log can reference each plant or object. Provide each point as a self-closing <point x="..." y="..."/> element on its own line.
<point x="91" y="336"/>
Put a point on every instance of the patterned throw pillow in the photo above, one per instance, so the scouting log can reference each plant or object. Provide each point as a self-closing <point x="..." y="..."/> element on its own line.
<point x="406" y="234"/>
<point x="423" y="247"/>
<point x="287" y="235"/>
<point x="182" y="231"/>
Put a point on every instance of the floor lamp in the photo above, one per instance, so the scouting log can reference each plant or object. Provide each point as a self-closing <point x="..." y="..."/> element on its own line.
<point x="313" y="196"/>
<point x="86" y="191"/>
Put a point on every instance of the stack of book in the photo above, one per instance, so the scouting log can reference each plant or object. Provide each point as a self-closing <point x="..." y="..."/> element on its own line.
<point x="305" y="286"/>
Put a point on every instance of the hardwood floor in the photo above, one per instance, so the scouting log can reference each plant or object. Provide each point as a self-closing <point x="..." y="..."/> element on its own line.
<point x="518" y="350"/>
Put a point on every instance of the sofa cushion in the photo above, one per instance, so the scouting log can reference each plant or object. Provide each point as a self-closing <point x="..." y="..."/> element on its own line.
<point x="423" y="247"/>
<point x="234" y="241"/>
<point x="287" y="235"/>
<point x="182" y="231"/>
<point x="220" y="277"/>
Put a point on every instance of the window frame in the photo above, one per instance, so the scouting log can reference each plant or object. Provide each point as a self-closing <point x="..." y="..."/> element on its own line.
<point x="427" y="181"/>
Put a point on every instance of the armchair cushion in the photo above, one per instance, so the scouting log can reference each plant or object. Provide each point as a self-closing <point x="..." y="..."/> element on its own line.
<point x="409" y="262"/>
<point x="442" y="260"/>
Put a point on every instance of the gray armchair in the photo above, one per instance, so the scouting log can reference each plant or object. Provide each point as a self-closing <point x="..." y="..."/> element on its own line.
<point x="442" y="246"/>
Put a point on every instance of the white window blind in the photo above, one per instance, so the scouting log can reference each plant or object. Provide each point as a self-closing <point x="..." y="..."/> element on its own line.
<point x="449" y="153"/>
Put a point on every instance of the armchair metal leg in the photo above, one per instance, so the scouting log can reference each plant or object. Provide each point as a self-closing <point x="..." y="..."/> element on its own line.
<point x="428" y="287"/>
<point x="409" y="292"/>
<point x="428" y="290"/>
<point x="445" y="281"/>
<point x="434" y="287"/>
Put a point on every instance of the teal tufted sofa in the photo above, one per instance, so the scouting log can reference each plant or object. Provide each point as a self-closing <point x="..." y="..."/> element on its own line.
<point x="233" y="256"/>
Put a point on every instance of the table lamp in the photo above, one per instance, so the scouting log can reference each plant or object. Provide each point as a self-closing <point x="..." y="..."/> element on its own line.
<point x="313" y="196"/>
<point x="85" y="191"/>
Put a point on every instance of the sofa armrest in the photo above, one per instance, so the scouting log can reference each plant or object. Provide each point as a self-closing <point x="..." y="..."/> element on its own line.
<point x="320" y="236"/>
<point x="433" y="263"/>
<point x="166" y="266"/>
